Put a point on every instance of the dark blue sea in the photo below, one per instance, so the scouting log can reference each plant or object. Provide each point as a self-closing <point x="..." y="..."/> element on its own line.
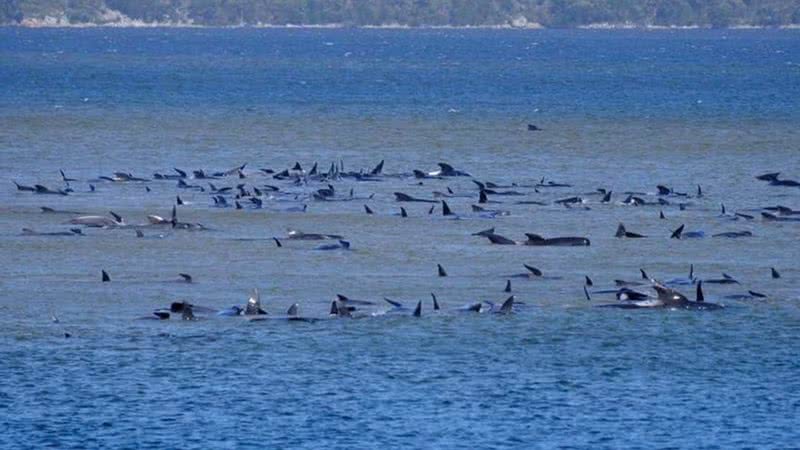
<point x="620" y="110"/>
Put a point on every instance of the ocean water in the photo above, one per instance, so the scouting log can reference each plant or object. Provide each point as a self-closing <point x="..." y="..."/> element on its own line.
<point x="621" y="110"/>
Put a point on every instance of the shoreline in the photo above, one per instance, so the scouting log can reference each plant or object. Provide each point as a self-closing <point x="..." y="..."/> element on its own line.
<point x="51" y="22"/>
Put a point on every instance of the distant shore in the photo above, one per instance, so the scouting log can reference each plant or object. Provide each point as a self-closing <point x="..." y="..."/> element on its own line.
<point x="124" y="22"/>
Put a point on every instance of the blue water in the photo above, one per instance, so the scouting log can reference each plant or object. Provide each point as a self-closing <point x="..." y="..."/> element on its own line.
<point x="624" y="110"/>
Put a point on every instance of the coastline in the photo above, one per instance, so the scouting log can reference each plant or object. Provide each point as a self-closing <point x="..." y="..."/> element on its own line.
<point x="125" y="22"/>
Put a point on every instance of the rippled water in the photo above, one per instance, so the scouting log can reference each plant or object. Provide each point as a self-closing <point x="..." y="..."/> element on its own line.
<point x="620" y="110"/>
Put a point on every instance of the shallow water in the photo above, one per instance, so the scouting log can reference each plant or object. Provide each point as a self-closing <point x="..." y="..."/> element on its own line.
<point x="620" y="110"/>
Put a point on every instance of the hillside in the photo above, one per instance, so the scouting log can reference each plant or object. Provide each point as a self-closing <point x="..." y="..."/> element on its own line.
<point x="548" y="13"/>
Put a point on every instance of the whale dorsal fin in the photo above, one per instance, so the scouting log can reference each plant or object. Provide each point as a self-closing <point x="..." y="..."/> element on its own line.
<point x="186" y="277"/>
<point x="508" y="286"/>
<point x="293" y="310"/>
<point x="620" y="231"/>
<point x="677" y="233"/>
<point x="588" y="281"/>
<point x="139" y="234"/>
<point x="700" y="297"/>
<point x="403" y="212"/>
<point x="446" y="209"/>
<point x="775" y="273"/>
<point x="445" y="167"/>
<point x="105" y="278"/>
<point x="367" y="209"/>
<point x="644" y="274"/>
<point x="586" y="293"/>
<point x="116" y="216"/>
<point x="378" y="169"/>
<point x="441" y="271"/>
<point x="534" y="237"/>
<point x="435" y="302"/>
<point x="508" y="305"/>
<point x="418" y="309"/>
<point x="393" y="303"/>
<point x="533" y="270"/>
<point x="482" y="197"/>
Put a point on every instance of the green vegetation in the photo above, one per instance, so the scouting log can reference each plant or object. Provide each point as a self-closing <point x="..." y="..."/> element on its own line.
<point x="549" y="13"/>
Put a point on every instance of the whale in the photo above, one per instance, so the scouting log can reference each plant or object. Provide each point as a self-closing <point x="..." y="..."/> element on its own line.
<point x="300" y="236"/>
<point x="680" y="234"/>
<point x="292" y="315"/>
<point x="24" y="188"/>
<point x="489" y="213"/>
<point x="446" y="170"/>
<point x="667" y="298"/>
<point x="98" y="221"/>
<point x="253" y="306"/>
<point x="773" y="218"/>
<point x="733" y="234"/>
<point x="531" y="273"/>
<point x="71" y="232"/>
<point x="341" y="245"/>
<point x="401" y="197"/>
<point x="232" y="311"/>
<point x="506" y="308"/>
<point x="726" y="279"/>
<point x="569" y="241"/>
<point x="189" y="226"/>
<point x="40" y="189"/>
<point x="48" y="210"/>
<point x="158" y="314"/>
<point x="623" y="233"/>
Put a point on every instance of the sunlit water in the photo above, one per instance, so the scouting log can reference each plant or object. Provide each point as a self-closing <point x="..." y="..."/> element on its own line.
<point x="619" y="110"/>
